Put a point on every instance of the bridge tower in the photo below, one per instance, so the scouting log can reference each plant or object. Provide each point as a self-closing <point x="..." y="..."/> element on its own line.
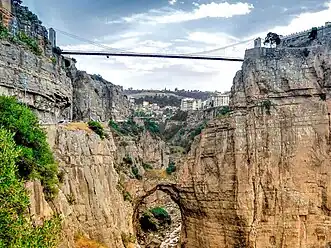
<point x="52" y="37"/>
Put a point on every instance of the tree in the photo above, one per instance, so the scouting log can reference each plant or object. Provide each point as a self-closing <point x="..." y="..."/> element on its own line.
<point x="272" y="38"/>
<point x="313" y="33"/>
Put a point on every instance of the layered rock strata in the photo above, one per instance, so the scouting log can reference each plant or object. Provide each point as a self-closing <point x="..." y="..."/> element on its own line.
<point x="261" y="178"/>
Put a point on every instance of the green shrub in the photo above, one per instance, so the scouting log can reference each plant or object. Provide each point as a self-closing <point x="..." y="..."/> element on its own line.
<point x="223" y="111"/>
<point x="97" y="128"/>
<point x="147" y="166"/>
<point x="129" y="127"/>
<point x="127" y="196"/>
<point x="31" y="43"/>
<point x="3" y="31"/>
<point x="128" y="160"/>
<point x="171" y="168"/>
<point x="266" y="104"/>
<point x="154" y="218"/>
<point x="15" y="228"/>
<point x="135" y="172"/>
<point x="36" y="160"/>
<point x="161" y="214"/>
<point x="152" y="126"/>
<point x="148" y="222"/>
<point x="198" y="130"/>
<point x="53" y="59"/>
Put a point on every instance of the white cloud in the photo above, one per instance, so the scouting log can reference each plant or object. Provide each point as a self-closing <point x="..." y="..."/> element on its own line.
<point x="305" y="21"/>
<point x="211" y="10"/>
<point x="172" y="2"/>
<point x="218" y="39"/>
<point x="160" y="73"/>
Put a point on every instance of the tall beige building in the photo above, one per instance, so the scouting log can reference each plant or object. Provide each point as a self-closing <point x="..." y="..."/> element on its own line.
<point x="6" y="11"/>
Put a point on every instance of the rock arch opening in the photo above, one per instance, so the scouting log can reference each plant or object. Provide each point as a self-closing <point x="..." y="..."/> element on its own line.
<point x="157" y="218"/>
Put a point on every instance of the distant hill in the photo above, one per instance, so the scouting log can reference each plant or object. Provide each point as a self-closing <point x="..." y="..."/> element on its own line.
<point x="203" y="95"/>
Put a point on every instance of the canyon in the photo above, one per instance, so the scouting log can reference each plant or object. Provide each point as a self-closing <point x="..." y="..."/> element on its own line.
<point x="256" y="177"/>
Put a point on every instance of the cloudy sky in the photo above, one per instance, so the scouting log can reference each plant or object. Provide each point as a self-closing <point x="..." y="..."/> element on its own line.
<point x="172" y="26"/>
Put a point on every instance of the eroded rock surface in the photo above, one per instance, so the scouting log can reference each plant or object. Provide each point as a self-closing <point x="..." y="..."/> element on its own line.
<point x="89" y="199"/>
<point x="261" y="177"/>
<point x="35" y="80"/>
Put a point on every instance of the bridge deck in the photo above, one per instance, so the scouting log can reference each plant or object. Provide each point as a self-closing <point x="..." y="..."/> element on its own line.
<point x="147" y="55"/>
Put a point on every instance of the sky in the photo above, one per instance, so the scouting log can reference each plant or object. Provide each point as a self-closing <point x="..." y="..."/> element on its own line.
<point x="172" y="26"/>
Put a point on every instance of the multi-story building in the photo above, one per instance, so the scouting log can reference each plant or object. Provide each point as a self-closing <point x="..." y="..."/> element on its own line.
<point x="221" y="100"/>
<point x="190" y="104"/>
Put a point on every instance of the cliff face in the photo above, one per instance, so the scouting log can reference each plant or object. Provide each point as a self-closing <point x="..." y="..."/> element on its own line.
<point x="89" y="199"/>
<point x="36" y="81"/>
<point x="261" y="177"/>
<point x="97" y="98"/>
<point x="55" y="89"/>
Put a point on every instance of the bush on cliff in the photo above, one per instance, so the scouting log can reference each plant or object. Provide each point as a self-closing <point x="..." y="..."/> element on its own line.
<point x="31" y="43"/>
<point x="154" y="218"/>
<point x="129" y="127"/>
<point x="36" y="160"/>
<point x="171" y="168"/>
<point x="152" y="126"/>
<point x="97" y="128"/>
<point x="15" y="228"/>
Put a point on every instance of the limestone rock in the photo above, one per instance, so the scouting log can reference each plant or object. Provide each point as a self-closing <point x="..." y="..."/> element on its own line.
<point x="38" y="82"/>
<point x="89" y="198"/>
<point x="260" y="178"/>
<point x="98" y="99"/>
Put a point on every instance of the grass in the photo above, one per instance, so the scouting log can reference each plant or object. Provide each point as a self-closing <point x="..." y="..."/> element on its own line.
<point x="157" y="174"/>
<point x="128" y="240"/>
<point x="84" y="242"/>
<point x="76" y="126"/>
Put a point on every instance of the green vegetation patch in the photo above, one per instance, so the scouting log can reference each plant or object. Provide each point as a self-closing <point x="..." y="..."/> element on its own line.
<point x="15" y="228"/>
<point x="97" y="128"/>
<point x="21" y="38"/>
<point x="171" y="168"/>
<point x="152" y="126"/>
<point x="147" y="166"/>
<point x="223" y="111"/>
<point x="129" y="127"/>
<point x="153" y="219"/>
<point x="35" y="160"/>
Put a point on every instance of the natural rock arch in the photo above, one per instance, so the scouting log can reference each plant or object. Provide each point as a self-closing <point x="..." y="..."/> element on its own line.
<point x="171" y="190"/>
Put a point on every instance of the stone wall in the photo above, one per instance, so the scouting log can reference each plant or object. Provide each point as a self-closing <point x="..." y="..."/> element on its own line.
<point x="301" y="38"/>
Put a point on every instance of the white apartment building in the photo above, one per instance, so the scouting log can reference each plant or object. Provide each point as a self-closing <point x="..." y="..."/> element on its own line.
<point x="221" y="100"/>
<point x="190" y="104"/>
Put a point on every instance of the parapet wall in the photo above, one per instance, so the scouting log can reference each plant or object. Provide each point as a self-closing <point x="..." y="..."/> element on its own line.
<point x="301" y="38"/>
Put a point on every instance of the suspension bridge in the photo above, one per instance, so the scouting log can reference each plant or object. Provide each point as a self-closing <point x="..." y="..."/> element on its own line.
<point x="113" y="52"/>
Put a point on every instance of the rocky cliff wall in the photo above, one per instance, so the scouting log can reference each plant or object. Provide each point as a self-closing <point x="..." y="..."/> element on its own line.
<point x="55" y="89"/>
<point x="89" y="198"/>
<point x="261" y="177"/>
<point x="96" y="98"/>
<point x="35" y="80"/>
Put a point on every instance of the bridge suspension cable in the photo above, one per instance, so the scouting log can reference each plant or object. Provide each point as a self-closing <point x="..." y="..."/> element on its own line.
<point x="107" y="48"/>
